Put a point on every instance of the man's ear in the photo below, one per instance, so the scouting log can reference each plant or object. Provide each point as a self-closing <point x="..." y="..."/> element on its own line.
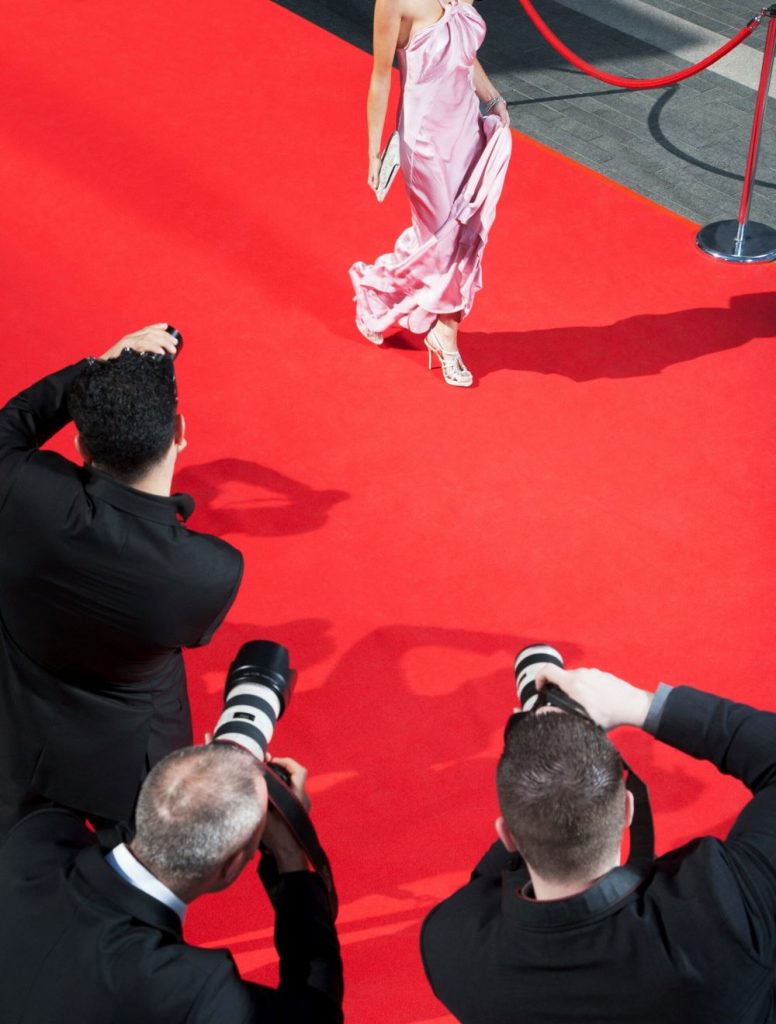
<point x="83" y="451"/>
<point x="223" y="876"/>
<point x="506" y="837"/>
<point x="180" y="432"/>
<point x="629" y="806"/>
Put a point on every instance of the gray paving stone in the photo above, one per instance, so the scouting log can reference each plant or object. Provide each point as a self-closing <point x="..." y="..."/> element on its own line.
<point x="683" y="147"/>
<point x="743" y="101"/>
<point x="606" y="122"/>
<point x="581" y="131"/>
<point x="545" y="113"/>
<point x="725" y="18"/>
<point x="597" y="156"/>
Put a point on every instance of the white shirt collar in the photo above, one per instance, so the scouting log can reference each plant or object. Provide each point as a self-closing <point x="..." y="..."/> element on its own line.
<point x="128" y="867"/>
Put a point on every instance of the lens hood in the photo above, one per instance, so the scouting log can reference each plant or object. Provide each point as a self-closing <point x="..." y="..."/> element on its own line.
<point x="264" y="661"/>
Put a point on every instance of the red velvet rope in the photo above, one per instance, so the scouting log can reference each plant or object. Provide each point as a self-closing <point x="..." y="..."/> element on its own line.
<point x="636" y="83"/>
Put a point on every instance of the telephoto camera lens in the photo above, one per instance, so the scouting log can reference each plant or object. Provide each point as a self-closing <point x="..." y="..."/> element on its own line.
<point x="526" y="669"/>
<point x="257" y="691"/>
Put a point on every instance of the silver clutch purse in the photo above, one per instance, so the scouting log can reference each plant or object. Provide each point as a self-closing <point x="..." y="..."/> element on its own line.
<point x="389" y="165"/>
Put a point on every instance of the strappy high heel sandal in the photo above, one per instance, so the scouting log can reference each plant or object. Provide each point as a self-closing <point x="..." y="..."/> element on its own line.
<point x="453" y="369"/>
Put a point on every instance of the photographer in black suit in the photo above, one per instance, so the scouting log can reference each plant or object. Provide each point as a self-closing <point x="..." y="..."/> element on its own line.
<point x="101" y="584"/>
<point x="92" y="932"/>
<point x="551" y="929"/>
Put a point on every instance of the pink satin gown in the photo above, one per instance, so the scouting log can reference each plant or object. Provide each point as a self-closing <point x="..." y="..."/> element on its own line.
<point x="453" y="162"/>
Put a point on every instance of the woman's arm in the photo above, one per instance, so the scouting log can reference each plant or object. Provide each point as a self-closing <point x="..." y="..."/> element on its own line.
<point x="486" y="93"/>
<point x="387" y="23"/>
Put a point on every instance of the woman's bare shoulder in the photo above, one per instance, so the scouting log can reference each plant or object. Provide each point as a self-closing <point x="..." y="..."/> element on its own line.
<point x="389" y="6"/>
<point x="413" y="9"/>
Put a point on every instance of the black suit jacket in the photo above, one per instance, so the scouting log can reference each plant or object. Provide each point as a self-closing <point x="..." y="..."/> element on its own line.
<point x="79" y="945"/>
<point x="693" y="944"/>
<point x="101" y="585"/>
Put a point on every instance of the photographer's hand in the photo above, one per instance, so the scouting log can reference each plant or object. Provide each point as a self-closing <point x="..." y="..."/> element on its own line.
<point x="148" y="339"/>
<point x="608" y="700"/>
<point x="278" y="837"/>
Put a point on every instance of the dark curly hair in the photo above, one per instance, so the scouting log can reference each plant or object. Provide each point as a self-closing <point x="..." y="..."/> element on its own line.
<point x="124" y="410"/>
<point x="562" y="793"/>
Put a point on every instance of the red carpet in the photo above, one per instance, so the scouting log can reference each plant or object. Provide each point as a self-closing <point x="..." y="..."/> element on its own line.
<point x="607" y="486"/>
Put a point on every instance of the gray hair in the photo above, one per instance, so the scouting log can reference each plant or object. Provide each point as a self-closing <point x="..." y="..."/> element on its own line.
<point x="197" y="807"/>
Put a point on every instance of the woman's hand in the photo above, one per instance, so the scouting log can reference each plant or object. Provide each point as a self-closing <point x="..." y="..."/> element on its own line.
<point x="502" y="110"/>
<point x="487" y="93"/>
<point x="374" y="172"/>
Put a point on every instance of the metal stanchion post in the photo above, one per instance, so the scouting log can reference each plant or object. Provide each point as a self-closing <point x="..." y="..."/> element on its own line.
<point x="745" y="241"/>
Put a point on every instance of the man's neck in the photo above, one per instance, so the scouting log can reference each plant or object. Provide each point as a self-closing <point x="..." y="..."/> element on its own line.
<point x="132" y="870"/>
<point x="554" y="890"/>
<point x="157" y="481"/>
<point x="186" y="893"/>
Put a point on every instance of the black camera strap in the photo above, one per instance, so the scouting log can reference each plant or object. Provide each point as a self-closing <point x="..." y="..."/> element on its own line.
<point x="285" y="803"/>
<point x="642" y="829"/>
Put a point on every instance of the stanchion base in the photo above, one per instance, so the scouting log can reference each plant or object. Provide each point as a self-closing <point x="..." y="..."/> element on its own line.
<point x="719" y="240"/>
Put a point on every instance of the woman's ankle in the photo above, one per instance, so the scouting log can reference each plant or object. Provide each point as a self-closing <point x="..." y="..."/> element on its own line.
<point x="447" y="334"/>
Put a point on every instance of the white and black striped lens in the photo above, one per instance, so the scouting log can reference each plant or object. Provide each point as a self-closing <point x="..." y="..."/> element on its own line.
<point x="526" y="669"/>
<point x="258" y="689"/>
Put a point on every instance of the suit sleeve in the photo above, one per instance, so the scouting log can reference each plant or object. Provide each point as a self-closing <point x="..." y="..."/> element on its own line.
<point x="231" y="571"/>
<point x="305" y="935"/>
<point x="462" y="919"/>
<point x="32" y="418"/>
<point x="311" y="987"/>
<point x="740" y="741"/>
<point x="227" y="997"/>
<point x="36" y="842"/>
